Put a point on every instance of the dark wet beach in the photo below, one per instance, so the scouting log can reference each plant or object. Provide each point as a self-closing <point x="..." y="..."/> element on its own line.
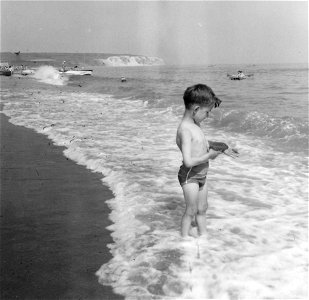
<point x="53" y="220"/>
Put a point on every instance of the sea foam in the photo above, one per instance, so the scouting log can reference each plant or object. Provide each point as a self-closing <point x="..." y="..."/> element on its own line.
<point x="50" y="75"/>
<point x="256" y="245"/>
<point x="132" y="61"/>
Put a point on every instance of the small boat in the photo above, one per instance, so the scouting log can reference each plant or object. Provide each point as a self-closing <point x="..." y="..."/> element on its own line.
<point x="27" y="72"/>
<point x="6" y="72"/>
<point x="76" y="72"/>
<point x="239" y="76"/>
<point x="235" y="77"/>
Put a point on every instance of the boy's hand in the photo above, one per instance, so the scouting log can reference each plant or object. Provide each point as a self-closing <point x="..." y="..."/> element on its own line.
<point x="232" y="152"/>
<point x="213" y="154"/>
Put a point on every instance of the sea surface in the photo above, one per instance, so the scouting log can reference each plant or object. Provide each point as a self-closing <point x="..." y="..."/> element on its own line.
<point x="256" y="246"/>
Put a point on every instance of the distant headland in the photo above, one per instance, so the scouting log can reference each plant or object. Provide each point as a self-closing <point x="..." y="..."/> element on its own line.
<point x="86" y="59"/>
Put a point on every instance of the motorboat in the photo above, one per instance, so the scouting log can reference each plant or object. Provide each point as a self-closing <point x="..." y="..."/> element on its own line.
<point x="76" y="72"/>
<point x="235" y="77"/>
<point x="239" y="76"/>
<point x="27" y="72"/>
<point x="6" y="72"/>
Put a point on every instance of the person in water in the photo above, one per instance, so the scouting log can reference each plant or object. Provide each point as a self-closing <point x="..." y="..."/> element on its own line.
<point x="63" y="66"/>
<point x="240" y="74"/>
<point x="199" y="100"/>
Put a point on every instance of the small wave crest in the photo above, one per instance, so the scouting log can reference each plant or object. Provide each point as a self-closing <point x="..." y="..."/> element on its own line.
<point x="132" y="61"/>
<point x="50" y="75"/>
<point x="287" y="131"/>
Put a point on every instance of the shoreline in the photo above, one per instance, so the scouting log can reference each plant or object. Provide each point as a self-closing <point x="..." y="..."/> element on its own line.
<point x="53" y="221"/>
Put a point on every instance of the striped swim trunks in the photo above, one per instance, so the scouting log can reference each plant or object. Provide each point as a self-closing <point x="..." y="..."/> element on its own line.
<point x="196" y="174"/>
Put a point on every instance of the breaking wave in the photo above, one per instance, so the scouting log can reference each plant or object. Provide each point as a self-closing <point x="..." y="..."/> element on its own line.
<point x="288" y="131"/>
<point x="132" y="61"/>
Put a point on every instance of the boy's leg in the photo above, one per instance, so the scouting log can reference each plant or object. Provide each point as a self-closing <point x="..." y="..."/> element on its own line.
<point x="190" y="192"/>
<point x="202" y="206"/>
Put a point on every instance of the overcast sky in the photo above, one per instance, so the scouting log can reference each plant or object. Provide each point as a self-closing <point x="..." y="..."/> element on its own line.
<point x="179" y="32"/>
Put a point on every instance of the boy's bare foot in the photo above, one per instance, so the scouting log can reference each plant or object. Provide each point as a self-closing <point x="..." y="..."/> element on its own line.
<point x="193" y="232"/>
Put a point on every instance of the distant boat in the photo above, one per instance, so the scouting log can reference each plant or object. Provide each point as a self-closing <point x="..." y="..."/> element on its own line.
<point x="76" y="72"/>
<point x="17" y="53"/>
<point x="235" y="77"/>
<point x="27" y="72"/>
<point x="6" y="72"/>
<point x="238" y="76"/>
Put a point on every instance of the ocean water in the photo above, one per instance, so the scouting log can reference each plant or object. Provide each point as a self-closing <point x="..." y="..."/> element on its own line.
<point x="256" y="246"/>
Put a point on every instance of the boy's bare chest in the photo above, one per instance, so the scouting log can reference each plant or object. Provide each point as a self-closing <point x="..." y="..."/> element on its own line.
<point x="198" y="140"/>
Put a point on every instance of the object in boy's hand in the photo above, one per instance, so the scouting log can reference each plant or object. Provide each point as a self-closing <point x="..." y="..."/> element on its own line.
<point x="218" y="146"/>
<point x="224" y="148"/>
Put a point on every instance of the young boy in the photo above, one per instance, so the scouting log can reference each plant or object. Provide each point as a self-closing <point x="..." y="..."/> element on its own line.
<point x="199" y="101"/>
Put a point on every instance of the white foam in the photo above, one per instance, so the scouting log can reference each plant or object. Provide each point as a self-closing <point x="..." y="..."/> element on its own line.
<point x="132" y="61"/>
<point x="256" y="242"/>
<point x="50" y="75"/>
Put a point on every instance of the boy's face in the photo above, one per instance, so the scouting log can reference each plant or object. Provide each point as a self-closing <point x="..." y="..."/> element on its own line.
<point x="201" y="113"/>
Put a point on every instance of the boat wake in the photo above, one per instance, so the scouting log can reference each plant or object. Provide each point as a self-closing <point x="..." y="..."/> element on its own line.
<point x="50" y="75"/>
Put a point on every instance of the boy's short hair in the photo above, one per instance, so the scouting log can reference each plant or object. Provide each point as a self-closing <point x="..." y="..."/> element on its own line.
<point x="200" y="94"/>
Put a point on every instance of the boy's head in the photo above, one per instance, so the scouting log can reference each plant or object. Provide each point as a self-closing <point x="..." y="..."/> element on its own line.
<point x="201" y="95"/>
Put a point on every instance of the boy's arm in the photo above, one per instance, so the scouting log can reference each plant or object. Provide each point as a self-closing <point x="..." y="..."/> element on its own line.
<point x="186" y="144"/>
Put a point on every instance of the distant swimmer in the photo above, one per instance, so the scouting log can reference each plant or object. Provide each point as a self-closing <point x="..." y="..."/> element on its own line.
<point x="63" y="66"/>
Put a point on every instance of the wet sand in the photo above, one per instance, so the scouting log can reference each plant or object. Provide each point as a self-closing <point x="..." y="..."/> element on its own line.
<point x="53" y="220"/>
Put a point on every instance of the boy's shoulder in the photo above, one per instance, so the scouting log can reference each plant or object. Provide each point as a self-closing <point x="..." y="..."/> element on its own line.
<point x="184" y="126"/>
